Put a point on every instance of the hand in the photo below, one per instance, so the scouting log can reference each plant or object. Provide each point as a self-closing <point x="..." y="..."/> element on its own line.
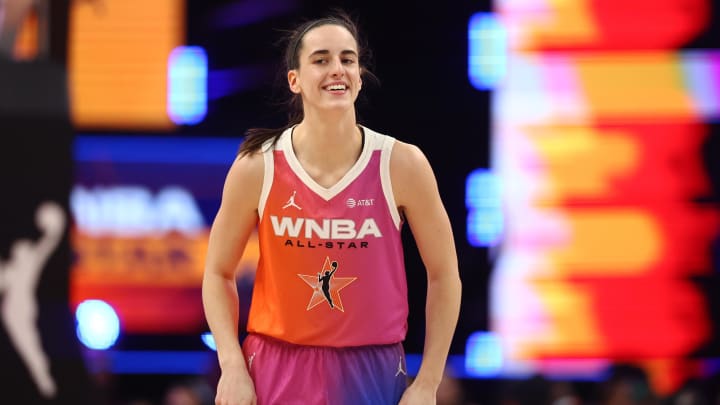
<point x="235" y="388"/>
<point x="417" y="394"/>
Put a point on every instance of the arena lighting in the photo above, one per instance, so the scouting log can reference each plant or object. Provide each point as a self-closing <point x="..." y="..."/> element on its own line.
<point x="118" y="63"/>
<point x="161" y="362"/>
<point x="701" y="76"/>
<point x="242" y="13"/>
<point x="187" y="85"/>
<point x="483" y="201"/>
<point x="209" y="340"/>
<point x="130" y="149"/>
<point x="487" y="42"/>
<point x="98" y="326"/>
<point x="226" y="82"/>
<point x="596" y="137"/>
<point x="483" y="355"/>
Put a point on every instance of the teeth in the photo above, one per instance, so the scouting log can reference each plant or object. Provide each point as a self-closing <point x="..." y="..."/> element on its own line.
<point x="336" y="87"/>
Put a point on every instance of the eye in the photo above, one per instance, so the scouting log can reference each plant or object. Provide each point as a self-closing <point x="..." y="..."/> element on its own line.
<point x="348" y="61"/>
<point x="320" y="61"/>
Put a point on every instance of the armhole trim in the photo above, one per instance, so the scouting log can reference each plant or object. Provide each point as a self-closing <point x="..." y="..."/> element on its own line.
<point x="268" y="174"/>
<point x="386" y="181"/>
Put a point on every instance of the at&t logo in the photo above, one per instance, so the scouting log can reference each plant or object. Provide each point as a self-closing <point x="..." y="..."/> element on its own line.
<point x="365" y="202"/>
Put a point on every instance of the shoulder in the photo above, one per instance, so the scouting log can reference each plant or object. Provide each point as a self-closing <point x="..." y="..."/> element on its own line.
<point x="251" y="164"/>
<point x="245" y="176"/>
<point x="406" y="156"/>
<point x="410" y="172"/>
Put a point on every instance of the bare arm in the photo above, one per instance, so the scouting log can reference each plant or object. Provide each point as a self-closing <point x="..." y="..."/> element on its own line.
<point x="233" y="225"/>
<point x="417" y="195"/>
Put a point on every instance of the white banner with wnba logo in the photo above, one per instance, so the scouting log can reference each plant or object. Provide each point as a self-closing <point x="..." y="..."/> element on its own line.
<point x="40" y="358"/>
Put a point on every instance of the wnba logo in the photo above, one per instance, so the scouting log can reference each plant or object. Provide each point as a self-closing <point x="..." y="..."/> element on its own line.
<point x="336" y="228"/>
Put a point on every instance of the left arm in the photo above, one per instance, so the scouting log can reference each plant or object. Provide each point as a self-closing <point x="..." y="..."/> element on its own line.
<point x="416" y="194"/>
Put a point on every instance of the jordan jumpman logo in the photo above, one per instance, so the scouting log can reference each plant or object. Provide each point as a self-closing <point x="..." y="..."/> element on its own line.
<point x="400" y="369"/>
<point x="291" y="202"/>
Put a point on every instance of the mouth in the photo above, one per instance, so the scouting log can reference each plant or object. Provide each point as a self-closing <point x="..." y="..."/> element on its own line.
<point x="336" y="88"/>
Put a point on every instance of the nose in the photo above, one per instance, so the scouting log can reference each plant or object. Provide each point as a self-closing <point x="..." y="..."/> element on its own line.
<point x="336" y="68"/>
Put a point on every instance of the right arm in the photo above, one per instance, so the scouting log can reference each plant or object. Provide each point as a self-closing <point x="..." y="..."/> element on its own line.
<point x="235" y="221"/>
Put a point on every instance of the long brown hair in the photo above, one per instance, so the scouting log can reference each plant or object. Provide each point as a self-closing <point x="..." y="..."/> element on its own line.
<point x="256" y="137"/>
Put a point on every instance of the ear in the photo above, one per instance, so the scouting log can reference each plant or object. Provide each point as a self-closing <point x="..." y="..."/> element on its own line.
<point x="292" y="78"/>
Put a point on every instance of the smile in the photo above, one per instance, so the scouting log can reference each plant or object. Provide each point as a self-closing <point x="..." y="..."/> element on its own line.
<point x="336" y="87"/>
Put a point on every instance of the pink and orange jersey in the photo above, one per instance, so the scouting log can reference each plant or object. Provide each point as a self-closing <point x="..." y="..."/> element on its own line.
<point x="331" y="269"/>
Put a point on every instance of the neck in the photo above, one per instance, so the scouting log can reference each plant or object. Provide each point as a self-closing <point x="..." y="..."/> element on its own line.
<point x="327" y="143"/>
<point x="328" y="128"/>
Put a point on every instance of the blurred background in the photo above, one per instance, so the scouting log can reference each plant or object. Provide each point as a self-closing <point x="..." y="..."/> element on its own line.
<point x="576" y="144"/>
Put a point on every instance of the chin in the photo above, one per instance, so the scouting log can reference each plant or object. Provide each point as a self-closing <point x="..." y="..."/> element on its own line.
<point x="338" y="107"/>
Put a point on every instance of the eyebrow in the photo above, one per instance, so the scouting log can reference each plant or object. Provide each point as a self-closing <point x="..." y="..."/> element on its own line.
<point x="326" y="52"/>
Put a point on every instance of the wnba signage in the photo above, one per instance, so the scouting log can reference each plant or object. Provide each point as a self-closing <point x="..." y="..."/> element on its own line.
<point x="40" y="359"/>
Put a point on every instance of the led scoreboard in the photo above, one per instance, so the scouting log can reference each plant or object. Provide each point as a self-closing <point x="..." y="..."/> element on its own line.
<point x="599" y="120"/>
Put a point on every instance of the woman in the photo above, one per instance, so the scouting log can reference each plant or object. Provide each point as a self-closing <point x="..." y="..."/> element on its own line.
<point x="328" y="197"/>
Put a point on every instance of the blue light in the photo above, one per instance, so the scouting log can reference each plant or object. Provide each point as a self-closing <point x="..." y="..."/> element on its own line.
<point x="485" y="220"/>
<point x="162" y="362"/>
<point x="187" y="85"/>
<point x="247" y="12"/>
<point x="155" y="149"/>
<point x="483" y="355"/>
<point x="697" y="68"/>
<point x="226" y="82"/>
<point x="487" y="51"/>
<point x="98" y="326"/>
<point x="209" y="340"/>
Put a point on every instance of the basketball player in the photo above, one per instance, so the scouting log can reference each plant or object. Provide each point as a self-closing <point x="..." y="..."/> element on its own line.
<point x="329" y="197"/>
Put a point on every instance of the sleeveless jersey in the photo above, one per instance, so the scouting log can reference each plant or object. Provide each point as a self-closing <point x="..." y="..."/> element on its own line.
<point x="331" y="269"/>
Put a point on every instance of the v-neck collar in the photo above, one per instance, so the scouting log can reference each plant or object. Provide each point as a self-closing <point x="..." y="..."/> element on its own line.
<point x="326" y="193"/>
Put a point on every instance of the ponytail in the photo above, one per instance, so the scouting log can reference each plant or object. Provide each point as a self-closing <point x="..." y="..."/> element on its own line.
<point x="255" y="138"/>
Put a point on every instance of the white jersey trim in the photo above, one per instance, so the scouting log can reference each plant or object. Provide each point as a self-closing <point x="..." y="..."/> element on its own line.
<point x="285" y="144"/>
<point x="386" y="180"/>
<point x="373" y="141"/>
<point x="268" y="175"/>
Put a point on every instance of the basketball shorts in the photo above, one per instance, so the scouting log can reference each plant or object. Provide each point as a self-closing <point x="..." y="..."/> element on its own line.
<point x="288" y="374"/>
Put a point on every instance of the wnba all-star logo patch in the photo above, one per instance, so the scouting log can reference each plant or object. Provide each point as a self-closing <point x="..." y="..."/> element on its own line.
<point x="326" y="286"/>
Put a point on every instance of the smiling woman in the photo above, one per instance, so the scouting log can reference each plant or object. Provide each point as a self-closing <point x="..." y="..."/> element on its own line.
<point x="329" y="198"/>
<point x="353" y="57"/>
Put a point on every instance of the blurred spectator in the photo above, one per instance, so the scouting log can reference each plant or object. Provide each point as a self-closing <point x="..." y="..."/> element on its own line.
<point x="627" y="385"/>
<point x="450" y="391"/>
<point x="12" y="16"/>
<point x="563" y="393"/>
<point x="139" y="402"/>
<point x="181" y="395"/>
<point x="532" y="391"/>
<point x="189" y="392"/>
<point x="693" y="392"/>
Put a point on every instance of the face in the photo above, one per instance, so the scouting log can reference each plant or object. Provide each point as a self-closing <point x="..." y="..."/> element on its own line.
<point x="328" y="76"/>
